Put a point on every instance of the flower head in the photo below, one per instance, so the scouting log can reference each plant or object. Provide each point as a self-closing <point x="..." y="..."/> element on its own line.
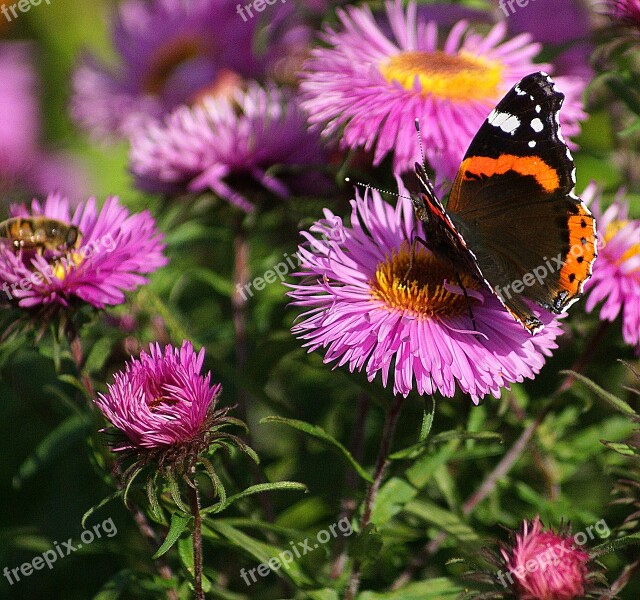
<point x="369" y="88"/>
<point x="171" y="52"/>
<point x="370" y="308"/>
<point x="94" y="256"/>
<point x="625" y="12"/>
<point x="616" y="273"/>
<point x="164" y="410"/>
<point x="198" y="148"/>
<point x="546" y="565"/>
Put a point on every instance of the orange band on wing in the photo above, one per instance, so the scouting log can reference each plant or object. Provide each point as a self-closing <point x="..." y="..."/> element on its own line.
<point x="545" y="175"/>
<point x="582" y="252"/>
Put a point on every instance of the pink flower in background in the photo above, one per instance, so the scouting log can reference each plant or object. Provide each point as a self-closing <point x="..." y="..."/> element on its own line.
<point x="113" y="253"/>
<point x="564" y="576"/>
<point x="26" y="168"/>
<point x="616" y="273"/>
<point x="367" y="88"/>
<point x="199" y="148"/>
<point x="160" y="399"/>
<point x="171" y="53"/>
<point x="625" y="12"/>
<point x="363" y="311"/>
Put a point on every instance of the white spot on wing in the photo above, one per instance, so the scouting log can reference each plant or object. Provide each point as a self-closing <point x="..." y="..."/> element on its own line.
<point x="536" y="125"/>
<point x="538" y="108"/>
<point x="508" y="123"/>
<point x="519" y="91"/>
<point x="532" y="144"/>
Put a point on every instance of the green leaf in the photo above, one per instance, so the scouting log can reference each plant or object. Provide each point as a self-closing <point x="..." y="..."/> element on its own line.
<point x="391" y="499"/>
<point x="217" y="283"/>
<point x="98" y="355"/>
<point x="114" y="588"/>
<point x="480" y="436"/>
<point x="442" y="518"/>
<point x="439" y="588"/>
<point x="98" y="506"/>
<point x="54" y="444"/>
<point x="624" y="449"/>
<point x="614" y="545"/>
<point x="427" y="420"/>
<point x="179" y="522"/>
<point x="367" y="546"/>
<point x="255" y="489"/>
<point x="321" y="434"/>
<point x="614" y="401"/>
<point x="261" y="551"/>
<point x="325" y="594"/>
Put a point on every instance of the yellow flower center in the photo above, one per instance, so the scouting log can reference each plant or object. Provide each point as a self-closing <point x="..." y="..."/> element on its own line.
<point x="612" y="229"/>
<point x="168" y="59"/>
<point x="461" y="76"/>
<point x="421" y="290"/>
<point x="63" y="266"/>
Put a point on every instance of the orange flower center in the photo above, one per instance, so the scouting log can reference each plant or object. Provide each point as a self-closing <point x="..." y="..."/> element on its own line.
<point x="461" y="76"/>
<point x="419" y="290"/>
<point x="168" y="59"/>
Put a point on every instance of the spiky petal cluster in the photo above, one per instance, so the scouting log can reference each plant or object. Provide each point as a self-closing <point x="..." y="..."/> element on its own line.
<point x="546" y="565"/>
<point x="115" y="250"/>
<point x="198" y="148"/>
<point x="161" y="400"/>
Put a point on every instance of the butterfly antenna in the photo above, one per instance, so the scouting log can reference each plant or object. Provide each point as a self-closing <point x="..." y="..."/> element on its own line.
<point x="366" y="185"/>
<point x="424" y="162"/>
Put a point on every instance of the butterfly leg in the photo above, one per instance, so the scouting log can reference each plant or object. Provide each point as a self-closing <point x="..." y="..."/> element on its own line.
<point x="466" y="297"/>
<point x="412" y="253"/>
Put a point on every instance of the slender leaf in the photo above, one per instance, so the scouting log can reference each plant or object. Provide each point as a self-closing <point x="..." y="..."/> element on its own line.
<point x="321" y="434"/>
<point x="614" y="401"/>
<point x="179" y="522"/>
<point x="255" y="489"/>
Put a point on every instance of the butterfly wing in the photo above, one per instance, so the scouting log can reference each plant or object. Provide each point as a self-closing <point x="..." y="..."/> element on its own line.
<point x="513" y="200"/>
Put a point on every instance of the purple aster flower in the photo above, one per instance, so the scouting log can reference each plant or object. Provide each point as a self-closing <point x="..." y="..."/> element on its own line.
<point x="197" y="148"/>
<point x="25" y="167"/>
<point x="171" y="51"/>
<point x="108" y="254"/>
<point x="369" y="88"/>
<point x="616" y="272"/>
<point x="163" y="409"/>
<point x="367" y="313"/>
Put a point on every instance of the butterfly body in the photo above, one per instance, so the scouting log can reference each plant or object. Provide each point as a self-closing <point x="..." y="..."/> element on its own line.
<point x="512" y="220"/>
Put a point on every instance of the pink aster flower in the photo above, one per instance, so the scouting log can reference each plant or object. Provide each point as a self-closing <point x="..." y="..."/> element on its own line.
<point x="160" y="399"/>
<point x="625" y="12"/>
<point x="26" y="167"/>
<point x="616" y="272"/>
<point x="198" y="148"/>
<point x="163" y="410"/>
<point x="368" y="88"/>
<point x="100" y="255"/>
<point x="366" y="312"/>
<point x="170" y="51"/>
<point x="545" y="565"/>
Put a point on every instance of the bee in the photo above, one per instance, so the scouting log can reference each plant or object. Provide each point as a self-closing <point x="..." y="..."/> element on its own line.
<point x="40" y="234"/>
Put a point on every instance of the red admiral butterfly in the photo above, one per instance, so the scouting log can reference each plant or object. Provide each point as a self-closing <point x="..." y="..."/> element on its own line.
<point x="512" y="219"/>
